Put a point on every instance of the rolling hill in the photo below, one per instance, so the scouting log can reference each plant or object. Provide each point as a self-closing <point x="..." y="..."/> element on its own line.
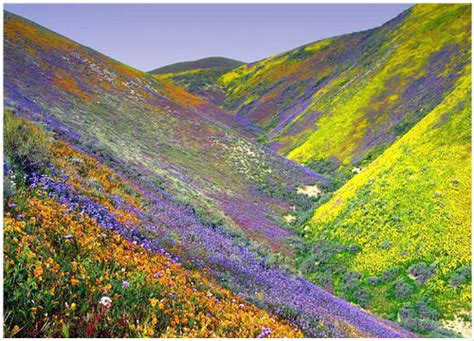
<point x="391" y="108"/>
<point x="396" y="238"/>
<point x="183" y="198"/>
<point x="205" y="63"/>
<point x="340" y="102"/>
<point x="200" y="77"/>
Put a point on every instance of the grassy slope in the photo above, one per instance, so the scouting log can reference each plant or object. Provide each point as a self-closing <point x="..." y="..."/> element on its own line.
<point x="153" y="129"/>
<point x="160" y="137"/>
<point x="199" y="77"/>
<point x="60" y="261"/>
<point x="200" y="82"/>
<point x="345" y="99"/>
<point x="412" y="205"/>
<point x="76" y="231"/>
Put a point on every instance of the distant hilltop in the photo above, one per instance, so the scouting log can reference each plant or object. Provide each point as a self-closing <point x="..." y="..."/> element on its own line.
<point x="205" y="63"/>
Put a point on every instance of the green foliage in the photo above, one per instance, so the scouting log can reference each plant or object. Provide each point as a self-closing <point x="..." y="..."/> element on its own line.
<point x="205" y="63"/>
<point x="399" y="211"/>
<point x="25" y="145"/>
<point x="403" y="290"/>
<point x="460" y="277"/>
<point x="421" y="272"/>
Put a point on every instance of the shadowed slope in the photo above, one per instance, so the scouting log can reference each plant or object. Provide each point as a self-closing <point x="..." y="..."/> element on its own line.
<point x="205" y="63"/>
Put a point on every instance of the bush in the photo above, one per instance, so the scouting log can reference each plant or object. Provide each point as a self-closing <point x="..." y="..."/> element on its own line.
<point x="351" y="281"/>
<point x="362" y="297"/>
<point x="422" y="272"/>
<point x="25" y="145"/>
<point x="460" y="277"/>
<point x="390" y="275"/>
<point x="426" y="311"/>
<point x="403" y="290"/>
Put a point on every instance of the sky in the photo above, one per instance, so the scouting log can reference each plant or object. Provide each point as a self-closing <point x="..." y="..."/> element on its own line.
<point x="147" y="36"/>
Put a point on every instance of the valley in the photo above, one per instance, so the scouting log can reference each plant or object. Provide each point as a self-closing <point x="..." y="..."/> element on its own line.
<point x="321" y="192"/>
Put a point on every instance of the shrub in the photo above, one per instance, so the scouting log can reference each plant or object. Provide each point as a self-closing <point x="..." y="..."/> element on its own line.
<point x="362" y="297"/>
<point x="390" y="275"/>
<point x="460" y="277"/>
<point x="25" y="145"/>
<point x="426" y="311"/>
<point x="403" y="290"/>
<point x="373" y="280"/>
<point x="422" y="272"/>
<point x="351" y="281"/>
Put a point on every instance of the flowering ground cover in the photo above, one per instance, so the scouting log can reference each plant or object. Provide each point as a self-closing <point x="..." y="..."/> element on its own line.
<point x="134" y="208"/>
<point x="345" y="99"/>
<point x="81" y="193"/>
<point x="168" y="136"/>
<point x="407" y="220"/>
<point x="66" y="276"/>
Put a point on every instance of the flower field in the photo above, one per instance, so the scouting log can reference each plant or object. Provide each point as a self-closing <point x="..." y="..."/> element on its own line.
<point x="65" y="276"/>
<point x="83" y="202"/>
<point x="407" y="218"/>
<point x="162" y="205"/>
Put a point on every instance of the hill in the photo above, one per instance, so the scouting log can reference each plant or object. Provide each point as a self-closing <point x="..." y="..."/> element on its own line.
<point x="340" y="102"/>
<point x="396" y="238"/>
<point x="162" y="170"/>
<point x="200" y="77"/>
<point x="204" y="63"/>
<point x="82" y="279"/>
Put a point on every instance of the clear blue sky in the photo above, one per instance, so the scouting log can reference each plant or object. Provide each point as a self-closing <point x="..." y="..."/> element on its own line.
<point x="147" y="36"/>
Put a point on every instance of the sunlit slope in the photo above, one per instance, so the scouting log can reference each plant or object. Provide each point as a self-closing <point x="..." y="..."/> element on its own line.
<point x="154" y="130"/>
<point x="76" y="264"/>
<point x="346" y="99"/>
<point x="164" y="173"/>
<point x="407" y="220"/>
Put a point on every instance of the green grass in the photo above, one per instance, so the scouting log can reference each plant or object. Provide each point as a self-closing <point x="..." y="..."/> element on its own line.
<point x="411" y="205"/>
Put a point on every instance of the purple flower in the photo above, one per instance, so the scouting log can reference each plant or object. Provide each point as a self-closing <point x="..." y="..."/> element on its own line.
<point x="265" y="333"/>
<point x="125" y="284"/>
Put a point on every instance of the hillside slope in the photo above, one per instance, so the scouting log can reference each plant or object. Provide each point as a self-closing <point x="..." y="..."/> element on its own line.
<point x="343" y="100"/>
<point x="406" y="220"/>
<point x="156" y="130"/>
<point x="200" y="77"/>
<point x="78" y="271"/>
<point x="183" y="185"/>
<point x="205" y="63"/>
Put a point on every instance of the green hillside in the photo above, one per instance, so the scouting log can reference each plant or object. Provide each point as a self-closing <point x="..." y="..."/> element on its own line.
<point x="204" y="63"/>
<point x="154" y="130"/>
<point x="396" y="238"/>
<point x="200" y="77"/>
<point x="200" y="82"/>
<point x="340" y="102"/>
